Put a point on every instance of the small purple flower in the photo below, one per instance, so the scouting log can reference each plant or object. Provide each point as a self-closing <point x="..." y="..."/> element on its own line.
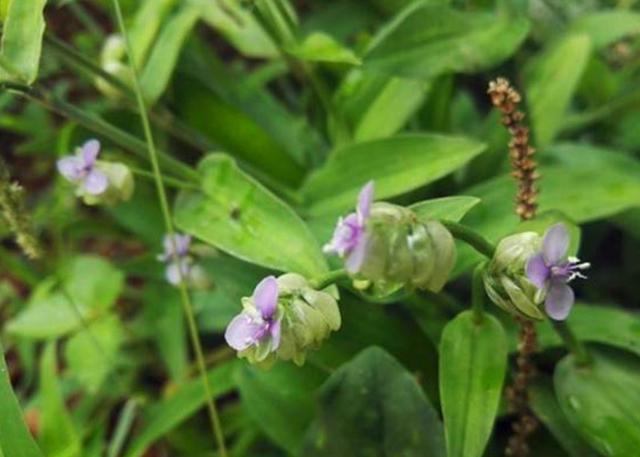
<point x="80" y="169"/>
<point x="551" y="270"/>
<point x="175" y="247"/>
<point x="257" y="324"/>
<point x="349" y="238"/>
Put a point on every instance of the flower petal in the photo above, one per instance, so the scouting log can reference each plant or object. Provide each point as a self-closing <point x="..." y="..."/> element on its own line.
<point x="364" y="201"/>
<point x="242" y="332"/>
<point x="178" y="271"/>
<point x="555" y="244"/>
<point x="275" y="334"/>
<point x="70" y="167"/>
<point x="537" y="271"/>
<point x="357" y="256"/>
<point x="265" y="297"/>
<point x="559" y="300"/>
<point x="90" y="151"/>
<point x="96" y="182"/>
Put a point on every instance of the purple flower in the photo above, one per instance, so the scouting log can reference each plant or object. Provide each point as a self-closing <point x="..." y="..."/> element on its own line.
<point x="175" y="247"/>
<point x="349" y="238"/>
<point x="258" y="323"/>
<point x="80" y="169"/>
<point x="551" y="270"/>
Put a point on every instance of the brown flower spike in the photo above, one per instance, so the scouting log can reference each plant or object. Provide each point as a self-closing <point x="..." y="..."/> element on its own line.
<point x="506" y="99"/>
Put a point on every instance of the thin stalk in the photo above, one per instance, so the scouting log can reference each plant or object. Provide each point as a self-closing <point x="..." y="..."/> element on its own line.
<point x="173" y="182"/>
<point x="184" y="293"/>
<point x="87" y="20"/>
<point x="572" y="343"/>
<point x="477" y="292"/>
<point x="471" y="237"/>
<point x="328" y="279"/>
<point x="125" y="424"/>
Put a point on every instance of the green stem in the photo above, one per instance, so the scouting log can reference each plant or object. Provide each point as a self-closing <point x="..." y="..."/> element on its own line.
<point x="328" y="279"/>
<point x="184" y="293"/>
<point x="471" y="237"/>
<point x="477" y="292"/>
<point x="571" y="342"/>
<point x="173" y="182"/>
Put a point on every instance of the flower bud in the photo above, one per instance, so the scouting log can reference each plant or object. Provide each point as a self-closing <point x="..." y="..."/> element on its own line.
<point x="505" y="279"/>
<point x="112" y="62"/>
<point x="283" y="319"/>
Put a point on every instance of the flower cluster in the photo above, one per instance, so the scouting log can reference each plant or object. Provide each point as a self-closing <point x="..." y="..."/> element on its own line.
<point x="96" y="181"/>
<point x="180" y="263"/>
<point x="528" y="270"/>
<point x="282" y="320"/>
<point x="389" y="246"/>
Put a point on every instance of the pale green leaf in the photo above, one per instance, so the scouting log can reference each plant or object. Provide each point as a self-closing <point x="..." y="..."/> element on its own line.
<point x="607" y="26"/>
<point x="320" y="47"/>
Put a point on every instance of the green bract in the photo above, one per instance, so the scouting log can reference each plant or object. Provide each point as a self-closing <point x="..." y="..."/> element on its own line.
<point x="403" y="250"/>
<point x="505" y="280"/>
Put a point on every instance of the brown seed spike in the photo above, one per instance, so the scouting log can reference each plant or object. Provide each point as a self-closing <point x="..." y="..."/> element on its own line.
<point x="506" y="99"/>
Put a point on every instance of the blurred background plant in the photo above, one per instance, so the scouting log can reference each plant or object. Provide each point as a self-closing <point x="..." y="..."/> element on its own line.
<point x="268" y="117"/>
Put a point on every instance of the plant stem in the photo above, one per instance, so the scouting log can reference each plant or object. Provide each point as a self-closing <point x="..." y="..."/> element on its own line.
<point x="571" y="342"/>
<point x="471" y="237"/>
<point x="173" y="182"/>
<point x="184" y="294"/>
<point x="477" y="292"/>
<point x="328" y="279"/>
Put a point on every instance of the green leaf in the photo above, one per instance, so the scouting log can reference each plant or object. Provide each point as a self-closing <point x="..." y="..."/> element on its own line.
<point x="58" y="436"/>
<point x="146" y="24"/>
<point x="15" y="439"/>
<point x="546" y="407"/>
<point x="473" y="363"/>
<point x="424" y="41"/>
<point x="608" y="26"/>
<point x="552" y="82"/>
<point x="372" y="406"/>
<point x="239" y="216"/>
<point x="602" y="401"/>
<point x="164" y="55"/>
<point x="599" y="324"/>
<point x="446" y="208"/>
<point x="92" y="353"/>
<point x="162" y="417"/>
<point x="397" y="165"/>
<point x="22" y="41"/>
<point x="46" y="317"/>
<point x="320" y="47"/>
<point x="92" y="282"/>
<point x="280" y="400"/>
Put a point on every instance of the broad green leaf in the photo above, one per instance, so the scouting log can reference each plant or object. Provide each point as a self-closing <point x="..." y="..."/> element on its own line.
<point x="600" y="324"/>
<point x="446" y="208"/>
<point x="158" y="70"/>
<point x="473" y="363"/>
<point x="372" y="406"/>
<point x="424" y="41"/>
<point x="162" y="417"/>
<point x="92" y="282"/>
<point x="58" y="436"/>
<point x="238" y="26"/>
<point x="22" y="41"/>
<point x="552" y="82"/>
<point x="602" y="401"/>
<point x="47" y="317"/>
<point x="15" y="439"/>
<point x="546" y="407"/>
<point x="320" y="47"/>
<point x="607" y="26"/>
<point x="239" y="216"/>
<point x="397" y="165"/>
<point x="280" y="400"/>
<point x="91" y="354"/>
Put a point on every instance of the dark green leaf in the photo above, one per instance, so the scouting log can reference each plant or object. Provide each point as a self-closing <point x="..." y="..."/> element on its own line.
<point x="473" y="363"/>
<point x="372" y="406"/>
<point x="602" y="401"/>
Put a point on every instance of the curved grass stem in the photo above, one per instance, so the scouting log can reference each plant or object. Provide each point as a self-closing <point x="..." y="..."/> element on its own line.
<point x="162" y="196"/>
